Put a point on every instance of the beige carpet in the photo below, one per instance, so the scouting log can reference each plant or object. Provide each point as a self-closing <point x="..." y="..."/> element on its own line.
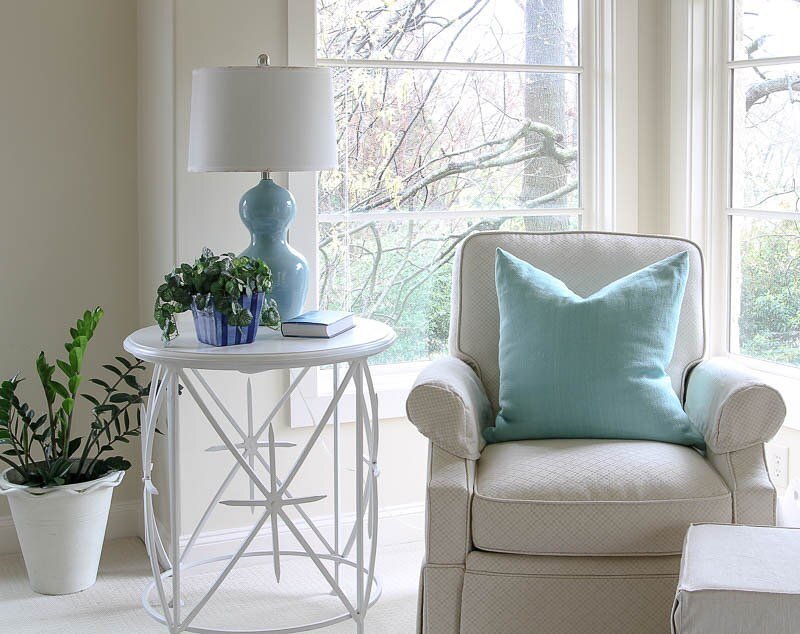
<point x="249" y="598"/>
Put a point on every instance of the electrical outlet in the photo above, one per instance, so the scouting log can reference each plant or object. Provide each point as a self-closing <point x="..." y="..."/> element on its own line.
<point x="778" y="465"/>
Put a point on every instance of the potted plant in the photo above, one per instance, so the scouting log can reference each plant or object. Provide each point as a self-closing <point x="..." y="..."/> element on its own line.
<point x="59" y="485"/>
<point x="227" y="294"/>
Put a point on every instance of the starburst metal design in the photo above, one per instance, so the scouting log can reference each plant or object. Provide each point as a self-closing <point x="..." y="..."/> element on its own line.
<point x="272" y="494"/>
<point x="277" y="496"/>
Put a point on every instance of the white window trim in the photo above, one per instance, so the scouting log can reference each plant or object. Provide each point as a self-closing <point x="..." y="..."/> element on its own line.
<point x="608" y="173"/>
<point x="700" y="155"/>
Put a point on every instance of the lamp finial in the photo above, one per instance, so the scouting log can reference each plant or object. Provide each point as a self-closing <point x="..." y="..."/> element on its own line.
<point x="263" y="59"/>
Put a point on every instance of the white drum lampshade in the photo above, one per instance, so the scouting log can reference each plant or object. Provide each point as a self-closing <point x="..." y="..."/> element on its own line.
<point x="262" y="119"/>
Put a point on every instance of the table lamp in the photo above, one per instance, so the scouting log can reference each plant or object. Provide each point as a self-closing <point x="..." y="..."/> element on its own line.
<point x="265" y="119"/>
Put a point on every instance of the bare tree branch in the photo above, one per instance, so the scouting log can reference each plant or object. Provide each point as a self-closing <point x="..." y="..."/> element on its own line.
<point x="760" y="91"/>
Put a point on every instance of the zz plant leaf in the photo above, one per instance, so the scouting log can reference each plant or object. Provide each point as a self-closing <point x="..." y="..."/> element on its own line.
<point x="219" y="279"/>
<point x="42" y="449"/>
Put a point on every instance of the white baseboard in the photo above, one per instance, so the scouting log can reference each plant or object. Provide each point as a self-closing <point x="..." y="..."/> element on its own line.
<point x="8" y="536"/>
<point x="124" y="520"/>
<point x="398" y="524"/>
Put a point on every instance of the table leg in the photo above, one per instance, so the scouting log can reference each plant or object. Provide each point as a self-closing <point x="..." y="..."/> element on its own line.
<point x="336" y="474"/>
<point x="174" y="495"/>
<point x="159" y="393"/>
<point x="358" y="377"/>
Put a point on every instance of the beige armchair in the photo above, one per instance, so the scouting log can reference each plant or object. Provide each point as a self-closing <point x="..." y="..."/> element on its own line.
<point x="575" y="535"/>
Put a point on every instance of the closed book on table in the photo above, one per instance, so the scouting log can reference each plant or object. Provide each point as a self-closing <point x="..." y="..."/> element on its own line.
<point x="318" y="323"/>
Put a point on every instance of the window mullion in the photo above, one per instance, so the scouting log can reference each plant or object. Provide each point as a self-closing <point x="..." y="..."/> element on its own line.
<point x="444" y="65"/>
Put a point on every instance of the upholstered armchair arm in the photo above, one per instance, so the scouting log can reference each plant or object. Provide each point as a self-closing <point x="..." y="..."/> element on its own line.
<point x="448" y="405"/>
<point x="731" y="406"/>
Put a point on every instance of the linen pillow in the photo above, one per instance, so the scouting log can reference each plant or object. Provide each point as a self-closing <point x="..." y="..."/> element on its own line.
<point x="594" y="367"/>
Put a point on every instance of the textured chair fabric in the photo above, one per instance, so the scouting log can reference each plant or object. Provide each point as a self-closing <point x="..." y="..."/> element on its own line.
<point x="593" y="497"/>
<point x="738" y="579"/>
<point x="448" y="405"/>
<point x="569" y="498"/>
<point x="733" y="407"/>
<point x="516" y="594"/>
<point x="585" y="262"/>
<point x="755" y="500"/>
<point x="448" y="536"/>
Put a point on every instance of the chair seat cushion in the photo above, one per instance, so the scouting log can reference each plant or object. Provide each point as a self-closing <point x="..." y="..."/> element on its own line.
<point x="593" y="497"/>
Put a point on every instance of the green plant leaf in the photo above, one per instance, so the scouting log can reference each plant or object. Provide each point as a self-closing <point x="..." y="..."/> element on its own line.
<point x="76" y="358"/>
<point x="112" y="368"/>
<point x="59" y="389"/>
<point x="117" y="463"/>
<point x="131" y="381"/>
<point x="106" y="407"/>
<point x="39" y="422"/>
<point x="74" y="383"/>
<point x="74" y="445"/>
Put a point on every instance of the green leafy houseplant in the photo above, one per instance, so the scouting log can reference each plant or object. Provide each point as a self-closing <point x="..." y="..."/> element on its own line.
<point x="225" y="279"/>
<point x="41" y="449"/>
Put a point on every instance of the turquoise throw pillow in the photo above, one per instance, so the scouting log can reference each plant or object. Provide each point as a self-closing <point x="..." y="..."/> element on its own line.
<point x="594" y="367"/>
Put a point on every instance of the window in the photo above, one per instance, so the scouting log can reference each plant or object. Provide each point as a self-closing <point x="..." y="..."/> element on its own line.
<point x="763" y="193"/>
<point x="453" y="117"/>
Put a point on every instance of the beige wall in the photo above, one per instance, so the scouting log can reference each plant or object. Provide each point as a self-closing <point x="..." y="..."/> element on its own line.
<point x="68" y="239"/>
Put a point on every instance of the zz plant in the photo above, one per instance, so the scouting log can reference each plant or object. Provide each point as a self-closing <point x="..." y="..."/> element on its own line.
<point x="219" y="281"/>
<point x="42" y="448"/>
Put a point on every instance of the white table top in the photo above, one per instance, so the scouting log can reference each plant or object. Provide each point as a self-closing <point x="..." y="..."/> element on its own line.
<point x="269" y="351"/>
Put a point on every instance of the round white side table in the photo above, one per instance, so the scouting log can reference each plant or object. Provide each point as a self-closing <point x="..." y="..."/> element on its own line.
<point x="181" y="363"/>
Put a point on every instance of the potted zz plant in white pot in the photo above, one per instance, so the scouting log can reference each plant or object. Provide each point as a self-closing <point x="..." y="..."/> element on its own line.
<point x="58" y="485"/>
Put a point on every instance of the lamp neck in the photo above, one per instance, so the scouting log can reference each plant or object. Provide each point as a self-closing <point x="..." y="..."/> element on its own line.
<point x="265" y="176"/>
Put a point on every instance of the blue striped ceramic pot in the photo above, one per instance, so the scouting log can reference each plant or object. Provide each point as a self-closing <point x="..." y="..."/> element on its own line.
<point x="212" y="326"/>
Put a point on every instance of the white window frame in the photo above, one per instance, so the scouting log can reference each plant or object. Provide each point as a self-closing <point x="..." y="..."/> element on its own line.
<point x="700" y="169"/>
<point x="608" y="173"/>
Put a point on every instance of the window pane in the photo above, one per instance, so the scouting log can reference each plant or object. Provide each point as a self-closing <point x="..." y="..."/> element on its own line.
<point x="399" y="273"/>
<point x="766" y="137"/>
<point x="453" y="140"/>
<point x="765" y="298"/>
<point x="765" y="28"/>
<point x="484" y="31"/>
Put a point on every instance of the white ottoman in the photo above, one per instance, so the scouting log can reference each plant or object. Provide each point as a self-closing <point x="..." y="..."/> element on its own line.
<point x="738" y="579"/>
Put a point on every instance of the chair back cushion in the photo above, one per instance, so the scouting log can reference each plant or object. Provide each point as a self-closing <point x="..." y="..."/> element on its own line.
<point x="585" y="262"/>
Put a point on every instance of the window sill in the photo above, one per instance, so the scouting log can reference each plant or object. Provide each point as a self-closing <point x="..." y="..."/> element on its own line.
<point x="392" y="383"/>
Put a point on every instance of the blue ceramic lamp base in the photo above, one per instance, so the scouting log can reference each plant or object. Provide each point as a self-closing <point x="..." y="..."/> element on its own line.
<point x="267" y="210"/>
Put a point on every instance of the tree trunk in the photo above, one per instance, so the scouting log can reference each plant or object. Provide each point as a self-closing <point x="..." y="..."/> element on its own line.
<point x="544" y="102"/>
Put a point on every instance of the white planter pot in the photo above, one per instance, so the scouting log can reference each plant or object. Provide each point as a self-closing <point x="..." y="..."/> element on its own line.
<point x="61" y="530"/>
